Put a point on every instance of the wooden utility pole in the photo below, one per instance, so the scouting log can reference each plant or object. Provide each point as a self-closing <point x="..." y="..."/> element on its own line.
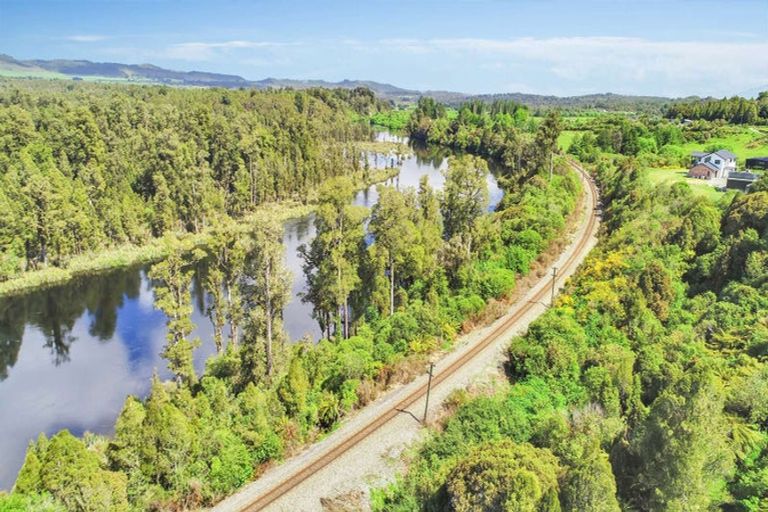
<point x="554" y="280"/>
<point x="429" y="388"/>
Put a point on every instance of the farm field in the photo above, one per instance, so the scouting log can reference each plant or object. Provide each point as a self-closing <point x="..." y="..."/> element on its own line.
<point x="668" y="176"/>
<point x="21" y="73"/>
<point x="566" y="138"/>
<point x="745" y="142"/>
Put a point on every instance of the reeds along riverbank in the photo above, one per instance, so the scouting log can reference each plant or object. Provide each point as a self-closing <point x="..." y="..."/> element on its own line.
<point x="158" y="248"/>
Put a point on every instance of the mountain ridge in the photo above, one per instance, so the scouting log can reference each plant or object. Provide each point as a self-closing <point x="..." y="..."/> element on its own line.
<point x="150" y="73"/>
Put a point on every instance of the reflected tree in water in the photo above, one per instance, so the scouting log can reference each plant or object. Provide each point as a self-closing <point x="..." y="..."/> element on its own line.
<point x="104" y="296"/>
<point x="55" y="311"/>
<point x="12" y="317"/>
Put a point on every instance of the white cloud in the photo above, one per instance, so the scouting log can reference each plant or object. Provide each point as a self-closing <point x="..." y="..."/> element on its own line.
<point x="673" y="65"/>
<point x="86" y="38"/>
<point x="199" y="51"/>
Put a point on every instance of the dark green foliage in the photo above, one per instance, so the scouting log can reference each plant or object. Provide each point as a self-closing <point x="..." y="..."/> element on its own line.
<point x="647" y="380"/>
<point x="680" y="448"/>
<point x="734" y="110"/>
<point x="94" y="166"/>
<point x="588" y="484"/>
<point x="384" y="304"/>
<point x="65" y="469"/>
<point x="493" y="130"/>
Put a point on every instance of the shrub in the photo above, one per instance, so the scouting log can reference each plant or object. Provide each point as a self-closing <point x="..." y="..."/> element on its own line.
<point x="231" y="464"/>
<point x="505" y="476"/>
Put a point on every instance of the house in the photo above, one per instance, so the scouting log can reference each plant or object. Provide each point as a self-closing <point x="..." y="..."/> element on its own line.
<point x="702" y="172"/>
<point x="760" y="162"/>
<point x="712" y="165"/>
<point x="741" y="180"/>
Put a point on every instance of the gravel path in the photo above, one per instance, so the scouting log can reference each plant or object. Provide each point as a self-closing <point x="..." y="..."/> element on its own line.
<point x="376" y="460"/>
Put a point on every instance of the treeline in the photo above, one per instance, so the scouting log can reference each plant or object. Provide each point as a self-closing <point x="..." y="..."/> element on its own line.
<point x="502" y="131"/>
<point x="575" y="104"/>
<point x="654" y="141"/>
<point x="386" y="297"/>
<point x="642" y="389"/>
<point x="631" y="137"/>
<point x="84" y="167"/>
<point x="736" y="110"/>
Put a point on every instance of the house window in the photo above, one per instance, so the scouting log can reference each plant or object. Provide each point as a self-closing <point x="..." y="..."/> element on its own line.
<point x="717" y="162"/>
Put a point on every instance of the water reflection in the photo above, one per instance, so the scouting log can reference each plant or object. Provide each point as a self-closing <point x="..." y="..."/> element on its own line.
<point x="70" y="355"/>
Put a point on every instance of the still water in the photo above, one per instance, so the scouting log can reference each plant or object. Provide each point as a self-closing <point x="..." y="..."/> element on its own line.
<point x="70" y="355"/>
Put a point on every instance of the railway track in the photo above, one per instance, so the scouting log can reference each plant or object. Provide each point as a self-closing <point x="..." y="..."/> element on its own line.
<point x="275" y="492"/>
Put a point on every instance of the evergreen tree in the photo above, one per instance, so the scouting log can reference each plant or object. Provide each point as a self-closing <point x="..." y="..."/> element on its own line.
<point x="331" y="261"/>
<point x="505" y="476"/>
<point x="269" y="286"/>
<point x="394" y="232"/>
<point x="173" y="297"/>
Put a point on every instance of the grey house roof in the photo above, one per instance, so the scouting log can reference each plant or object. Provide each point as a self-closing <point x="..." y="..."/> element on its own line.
<point x="743" y="176"/>
<point x="726" y="154"/>
<point x="722" y="153"/>
<point x="711" y="166"/>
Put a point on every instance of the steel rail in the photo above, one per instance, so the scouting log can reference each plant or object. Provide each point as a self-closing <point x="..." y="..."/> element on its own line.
<point x="286" y="485"/>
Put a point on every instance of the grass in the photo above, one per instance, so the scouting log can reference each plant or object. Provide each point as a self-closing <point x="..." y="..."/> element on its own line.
<point x="384" y="147"/>
<point x="24" y="73"/>
<point x="744" y="141"/>
<point x="52" y="75"/>
<point x="566" y="138"/>
<point x="659" y="176"/>
<point x="392" y="119"/>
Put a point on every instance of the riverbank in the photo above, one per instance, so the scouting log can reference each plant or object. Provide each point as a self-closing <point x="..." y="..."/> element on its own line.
<point x="368" y="448"/>
<point x="127" y="255"/>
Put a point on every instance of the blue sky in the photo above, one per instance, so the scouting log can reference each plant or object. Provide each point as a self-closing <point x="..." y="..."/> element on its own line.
<point x="672" y="47"/>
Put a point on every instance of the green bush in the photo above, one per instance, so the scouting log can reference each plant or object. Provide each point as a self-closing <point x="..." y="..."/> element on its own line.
<point x="231" y="465"/>
<point x="494" y="281"/>
<point x="29" y="503"/>
<point x="505" y="476"/>
<point x="64" y="468"/>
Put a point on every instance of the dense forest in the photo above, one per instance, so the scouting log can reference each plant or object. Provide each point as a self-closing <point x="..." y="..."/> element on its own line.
<point x="84" y="167"/>
<point x="389" y="286"/>
<point x="734" y="110"/>
<point x="502" y="130"/>
<point x="659" y="142"/>
<point x="642" y="389"/>
<point x="653" y="140"/>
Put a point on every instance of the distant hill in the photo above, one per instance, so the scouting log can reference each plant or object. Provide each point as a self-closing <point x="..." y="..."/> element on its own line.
<point x="117" y="71"/>
<point x="14" y="68"/>
<point x="604" y="101"/>
<point x="385" y="90"/>
<point x="148" y="73"/>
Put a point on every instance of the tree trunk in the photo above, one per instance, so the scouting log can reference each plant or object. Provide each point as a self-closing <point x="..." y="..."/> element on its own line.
<point x="217" y="335"/>
<point x="339" y="308"/>
<point x="346" y="317"/>
<point x="253" y="181"/>
<point x="43" y="247"/>
<point x="391" y="285"/>
<point x="268" y="314"/>
<point x="233" y="325"/>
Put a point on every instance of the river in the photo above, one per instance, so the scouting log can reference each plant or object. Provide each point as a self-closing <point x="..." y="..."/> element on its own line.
<point x="70" y="355"/>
